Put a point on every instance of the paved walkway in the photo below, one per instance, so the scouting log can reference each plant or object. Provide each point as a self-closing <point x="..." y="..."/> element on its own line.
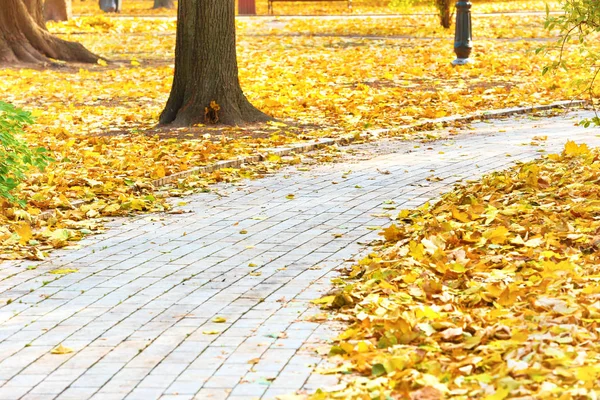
<point x="139" y="311"/>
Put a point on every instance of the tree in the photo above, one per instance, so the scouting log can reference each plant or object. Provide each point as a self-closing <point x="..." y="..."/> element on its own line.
<point x="443" y="7"/>
<point x="445" y="15"/>
<point x="57" y="10"/>
<point x="206" y="87"/>
<point x="163" y="4"/>
<point x="24" y="38"/>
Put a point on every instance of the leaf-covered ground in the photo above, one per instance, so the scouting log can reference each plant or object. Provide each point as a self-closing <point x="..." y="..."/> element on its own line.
<point x="490" y="293"/>
<point x="319" y="77"/>
<point x="359" y="7"/>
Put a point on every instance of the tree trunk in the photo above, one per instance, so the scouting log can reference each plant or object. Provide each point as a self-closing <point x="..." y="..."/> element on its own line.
<point x="163" y="4"/>
<point x="110" y="5"/>
<point x="24" y="38"/>
<point x="443" y="7"/>
<point x="206" y="88"/>
<point x="35" y="8"/>
<point x="57" y="10"/>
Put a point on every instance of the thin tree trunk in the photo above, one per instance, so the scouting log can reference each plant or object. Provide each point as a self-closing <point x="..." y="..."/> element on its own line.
<point x="443" y="7"/>
<point x="206" y="87"/>
<point x="24" y="39"/>
<point x="57" y="10"/>
<point x="35" y="8"/>
<point x="163" y="4"/>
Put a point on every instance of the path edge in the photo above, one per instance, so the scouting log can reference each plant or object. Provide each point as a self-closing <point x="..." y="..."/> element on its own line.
<point x="300" y="148"/>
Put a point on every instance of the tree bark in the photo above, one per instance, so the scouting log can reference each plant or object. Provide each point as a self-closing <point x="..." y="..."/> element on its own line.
<point x="206" y="88"/>
<point x="35" y="8"/>
<point x="57" y="10"/>
<point x="163" y="4"/>
<point x="443" y="7"/>
<point x="24" y="38"/>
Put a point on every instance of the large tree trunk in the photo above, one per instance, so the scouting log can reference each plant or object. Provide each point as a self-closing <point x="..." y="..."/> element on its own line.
<point x="206" y="88"/>
<point x="24" y="38"/>
<point x="57" y="10"/>
<point x="163" y="4"/>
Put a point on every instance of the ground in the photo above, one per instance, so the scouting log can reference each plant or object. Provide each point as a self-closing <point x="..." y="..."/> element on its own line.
<point x="392" y="71"/>
<point x="209" y="296"/>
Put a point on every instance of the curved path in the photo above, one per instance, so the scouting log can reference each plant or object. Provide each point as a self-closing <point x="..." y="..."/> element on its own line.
<point x="139" y="312"/>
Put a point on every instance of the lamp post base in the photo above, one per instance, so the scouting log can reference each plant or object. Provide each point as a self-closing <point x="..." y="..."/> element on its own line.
<point x="462" y="61"/>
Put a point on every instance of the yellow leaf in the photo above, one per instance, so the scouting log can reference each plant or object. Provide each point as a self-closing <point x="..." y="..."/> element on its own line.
<point x="416" y="251"/>
<point x="460" y="216"/>
<point x="60" y="349"/>
<point x="211" y="332"/>
<point x="138" y="205"/>
<point x="497" y="235"/>
<point x="324" y="300"/>
<point x="219" y="320"/>
<point x="499" y="394"/>
<point x="159" y="172"/>
<point x="63" y="271"/>
<point x="24" y="232"/>
<point x="507" y="297"/>
<point x="587" y="374"/>
<point x="273" y="158"/>
<point x="574" y="149"/>
<point x="59" y="237"/>
<point x="391" y="233"/>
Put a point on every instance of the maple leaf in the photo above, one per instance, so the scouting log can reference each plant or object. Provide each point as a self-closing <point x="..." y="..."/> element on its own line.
<point x="391" y="233"/>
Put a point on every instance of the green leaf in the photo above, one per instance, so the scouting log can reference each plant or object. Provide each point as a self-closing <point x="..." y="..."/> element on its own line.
<point x="378" y="369"/>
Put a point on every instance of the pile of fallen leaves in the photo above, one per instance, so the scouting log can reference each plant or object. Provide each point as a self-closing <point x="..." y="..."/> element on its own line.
<point x="491" y="293"/>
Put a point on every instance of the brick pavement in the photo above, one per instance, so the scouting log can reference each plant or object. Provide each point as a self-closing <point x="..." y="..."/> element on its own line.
<point x="139" y="311"/>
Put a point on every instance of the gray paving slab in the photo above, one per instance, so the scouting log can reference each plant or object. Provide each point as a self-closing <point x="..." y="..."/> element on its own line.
<point x="139" y="312"/>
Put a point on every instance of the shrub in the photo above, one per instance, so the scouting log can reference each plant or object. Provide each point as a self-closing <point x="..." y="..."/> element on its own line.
<point x="16" y="157"/>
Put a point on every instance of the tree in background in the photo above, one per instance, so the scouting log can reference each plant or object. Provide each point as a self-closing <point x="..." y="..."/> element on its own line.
<point x="163" y="4"/>
<point x="58" y="10"/>
<point x="443" y="7"/>
<point x="24" y="38"/>
<point x="445" y="14"/>
<point x="206" y="88"/>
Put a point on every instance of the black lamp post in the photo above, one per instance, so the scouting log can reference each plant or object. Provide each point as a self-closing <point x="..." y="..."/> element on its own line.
<point x="462" y="34"/>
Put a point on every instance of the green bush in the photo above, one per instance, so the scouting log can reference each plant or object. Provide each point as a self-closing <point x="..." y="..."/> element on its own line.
<point x="16" y="158"/>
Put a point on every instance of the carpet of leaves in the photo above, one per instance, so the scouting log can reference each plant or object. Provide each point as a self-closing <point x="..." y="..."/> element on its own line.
<point x="490" y="293"/>
<point x="359" y="7"/>
<point x="319" y="78"/>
